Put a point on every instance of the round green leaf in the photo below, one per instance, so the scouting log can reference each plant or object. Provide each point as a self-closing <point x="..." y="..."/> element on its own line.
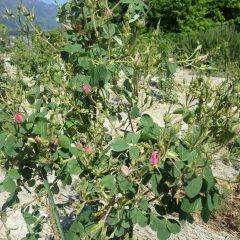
<point x="133" y="215"/>
<point x="143" y="205"/>
<point x="119" y="231"/>
<point x="108" y="181"/>
<point x="101" y="76"/>
<point x="157" y="223"/>
<point x="190" y="206"/>
<point x="133" y="138"/>
<point x="173" y="226"/>
<point x="146" y="121"/>
<point x="70" y="235"/>
<point x="14" y="174"/>
<point x="135" y="112"/>
<point x="205" y="214"/>
<point x="142" y="220"/>
<point x="73" y="167"/>
<point x="109" y="30"/>
<point x="171" y="67"/>
<point x="119" y="145"/>
<point x="9" y="145"/>
<point x="209" y="202"/>
<point x="73" y="48"/>
<point x="209" y="178"/>
<point x="124" y="184"/>
<point x="125" y="224"/>
<point x="194" y="187"/>
<point x="155" y="186"/>
<point x="74" y="151"/>
<point x="134" y="152"/>
<point x="2" y="139"/>
<point x="112" y="220"/>
<point x="77" y="227"/>
<point x="29" y="218"/>
<point x="9" y="185"/>
<point x="163" y="233"/>
<point x="215" y="199"/>
<point x="64" y="142"/>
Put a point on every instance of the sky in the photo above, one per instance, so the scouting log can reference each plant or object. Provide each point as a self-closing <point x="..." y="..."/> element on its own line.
<point x="52" y="1"/>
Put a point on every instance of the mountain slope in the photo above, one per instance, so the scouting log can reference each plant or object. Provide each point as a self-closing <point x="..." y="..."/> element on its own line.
<point x="45" y="13"/>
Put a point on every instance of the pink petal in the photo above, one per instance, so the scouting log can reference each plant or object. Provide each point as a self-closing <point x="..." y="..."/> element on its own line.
<point x="86" y="89"/>
<point x="18" y="118"/>
<point x="125" y="169"/>
<point x="154" y="159"/>
<point x="88" y="149"/>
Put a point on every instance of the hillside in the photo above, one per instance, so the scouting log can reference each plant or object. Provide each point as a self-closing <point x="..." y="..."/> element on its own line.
<point x="45" y="13"/>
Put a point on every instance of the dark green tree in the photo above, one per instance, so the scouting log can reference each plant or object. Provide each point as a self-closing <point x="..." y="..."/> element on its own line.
<point x="192" y="15"/>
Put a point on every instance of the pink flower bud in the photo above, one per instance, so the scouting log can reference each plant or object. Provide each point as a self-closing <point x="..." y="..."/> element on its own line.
<point x="86" y="89"/>
<point x="125" y="170"/>
<point x="18" y="118"/>
<point x="88" y="149"/>
<point x="154" y="159"/>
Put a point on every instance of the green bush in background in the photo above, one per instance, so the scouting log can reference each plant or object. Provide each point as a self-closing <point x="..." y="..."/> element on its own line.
<point x="192" y="15"/>
<point x="220" y="45"/>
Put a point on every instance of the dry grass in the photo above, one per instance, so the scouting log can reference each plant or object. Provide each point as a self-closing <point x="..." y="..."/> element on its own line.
<point x="227" y="216"/>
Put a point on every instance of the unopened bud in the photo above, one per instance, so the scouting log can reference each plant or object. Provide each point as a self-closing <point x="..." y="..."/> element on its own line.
<point x="140" y="23"/>
<point x="32" y="17"/>
<point x="86" y="89"/>
<point x="137" y="59"/>
<point x="88" y="149"/>
<point x="18" y="118"/>
<point x="154" y="159"/>
<point x="167" y="118"/>
<point x="176" y="128"/>
<point x="25" y="11"/>
<point x="125" y="170"/>
<point x="9" y="12"/>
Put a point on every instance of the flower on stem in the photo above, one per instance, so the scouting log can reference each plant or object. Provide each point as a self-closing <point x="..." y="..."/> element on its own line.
<point x="18" y="118"/>
<point x="125" y="170"/>
<point x="86" y="89"/>
<point x="154" y="159"/>
<point x="88" y="149"/>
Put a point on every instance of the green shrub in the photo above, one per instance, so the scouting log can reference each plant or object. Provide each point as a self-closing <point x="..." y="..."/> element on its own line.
<point x="221" y="45"/>
<point x="191" y="15"/>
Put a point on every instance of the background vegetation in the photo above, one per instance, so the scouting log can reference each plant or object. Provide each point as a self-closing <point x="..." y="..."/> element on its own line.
<point x="192" y="15"/>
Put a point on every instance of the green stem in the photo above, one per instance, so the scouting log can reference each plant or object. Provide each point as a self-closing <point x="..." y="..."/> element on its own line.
<point x="52" y="203"/>
<point x="130" y="233"/>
